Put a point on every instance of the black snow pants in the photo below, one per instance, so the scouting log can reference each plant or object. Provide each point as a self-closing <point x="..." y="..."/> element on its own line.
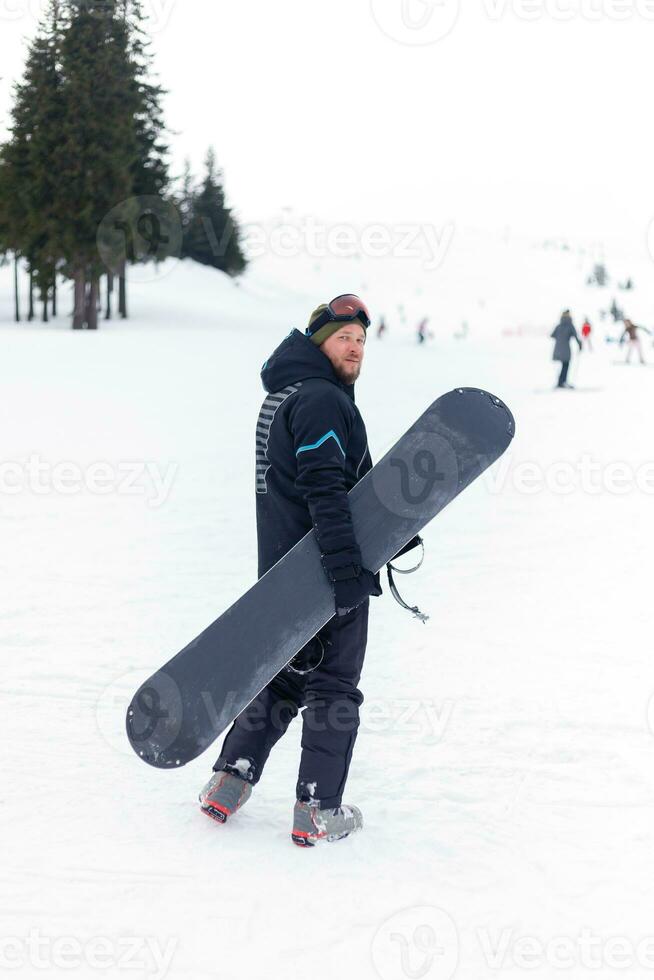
<point x="563" y="376"/>
<point x="330" y="721"/>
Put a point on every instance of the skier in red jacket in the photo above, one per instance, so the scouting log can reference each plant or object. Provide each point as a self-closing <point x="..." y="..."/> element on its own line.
<point x="586" y="331"/>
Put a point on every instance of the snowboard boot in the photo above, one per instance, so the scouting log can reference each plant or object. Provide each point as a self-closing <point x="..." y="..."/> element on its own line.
<point x="312" y="825"/>
<point x="223" y="795"/>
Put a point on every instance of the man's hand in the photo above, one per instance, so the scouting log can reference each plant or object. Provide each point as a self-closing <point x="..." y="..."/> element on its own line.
<point x="352" y="585"/>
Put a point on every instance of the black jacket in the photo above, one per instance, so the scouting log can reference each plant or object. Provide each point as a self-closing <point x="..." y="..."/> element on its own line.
<point x="311" y="449"/>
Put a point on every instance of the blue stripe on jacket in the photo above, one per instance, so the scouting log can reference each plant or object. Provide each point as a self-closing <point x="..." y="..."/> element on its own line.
<point x="316" y="445"/>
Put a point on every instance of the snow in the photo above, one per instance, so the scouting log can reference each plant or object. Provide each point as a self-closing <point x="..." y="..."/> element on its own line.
<point x="505" y="761"/>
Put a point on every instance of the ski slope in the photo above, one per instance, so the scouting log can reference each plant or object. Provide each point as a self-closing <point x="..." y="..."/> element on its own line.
<point x="505" y="763"/>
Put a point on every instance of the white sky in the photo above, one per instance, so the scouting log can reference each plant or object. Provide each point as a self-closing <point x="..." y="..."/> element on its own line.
<point x="541" y="122"/>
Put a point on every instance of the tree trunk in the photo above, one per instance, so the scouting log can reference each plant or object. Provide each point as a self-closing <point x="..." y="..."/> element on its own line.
<point x="110" y="289"/>
<point x="92" y="305"/>
<point x="30" y="313"/>
<point x="54" y="295"/>
<point x="16" y="295"/>
<point x="80" y="299"/>
<point x="44" y="302"/>
<point x="122" y="290"/>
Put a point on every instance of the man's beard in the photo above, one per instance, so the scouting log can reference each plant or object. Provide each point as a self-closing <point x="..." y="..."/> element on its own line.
<point x="348" y="372"/>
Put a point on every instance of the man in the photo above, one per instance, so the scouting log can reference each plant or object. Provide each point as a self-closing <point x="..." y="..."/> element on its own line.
<point x="633" y="340"/>
<point x="563" y="334"/>
<point x="311" y="449"/>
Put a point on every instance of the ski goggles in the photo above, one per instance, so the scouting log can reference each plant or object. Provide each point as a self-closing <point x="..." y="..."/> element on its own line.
<point x="343" y="309"/>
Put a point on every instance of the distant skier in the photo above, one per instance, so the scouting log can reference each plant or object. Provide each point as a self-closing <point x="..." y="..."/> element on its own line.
<point x="633" y="340"/>
<point x="423" y="333"/>
<point x="563" y="334"/>
<point x="586" y="332"/>
<point x="312" y="449"/>
<point x="381" y="329"/>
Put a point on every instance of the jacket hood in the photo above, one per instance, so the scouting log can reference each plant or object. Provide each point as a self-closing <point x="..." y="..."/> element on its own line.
<point x="296" y="359"/>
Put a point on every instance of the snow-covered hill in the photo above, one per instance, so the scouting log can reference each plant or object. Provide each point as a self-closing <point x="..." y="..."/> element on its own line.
<point x="498" y="282"/>
<point x="505" y="761"/>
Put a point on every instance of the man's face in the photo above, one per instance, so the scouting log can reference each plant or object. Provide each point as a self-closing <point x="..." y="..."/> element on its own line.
<point x="345" y="349"/>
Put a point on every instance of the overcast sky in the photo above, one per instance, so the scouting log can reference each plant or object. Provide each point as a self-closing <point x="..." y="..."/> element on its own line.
<point x="498" y="112"/>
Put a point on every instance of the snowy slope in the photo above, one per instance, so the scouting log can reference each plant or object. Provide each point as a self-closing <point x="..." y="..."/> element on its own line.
<point x="505" y="761"/>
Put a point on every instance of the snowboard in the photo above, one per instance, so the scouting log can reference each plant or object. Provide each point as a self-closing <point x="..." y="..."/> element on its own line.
<point x="179" y="711"/>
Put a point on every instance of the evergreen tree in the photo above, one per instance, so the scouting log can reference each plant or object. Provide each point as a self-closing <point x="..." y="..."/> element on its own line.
<point x="14" y="191"/>
<point x="212" y="234"/>
<point x="41" y="93"/>
<point x="184" y="200"/>
<point x="150" y="169"/>
<point x="98" y="142"/>
<point x="27" y="179"/>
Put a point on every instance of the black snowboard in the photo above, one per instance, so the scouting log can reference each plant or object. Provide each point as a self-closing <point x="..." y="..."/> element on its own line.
<point x="181" y="710"/>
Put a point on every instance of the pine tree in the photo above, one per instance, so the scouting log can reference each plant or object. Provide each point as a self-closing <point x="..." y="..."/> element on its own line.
<point x="150" y="169"/>
<point x="98" y="142"/>
<point x="6" y="244"/>
<point x="14" y="185"/>
<point x="184" y="200"/>
<point x="27" y="179"/>
<point x="42" y="92"/>
<point x="86" y="133"/>
<point x="212" y="235"/>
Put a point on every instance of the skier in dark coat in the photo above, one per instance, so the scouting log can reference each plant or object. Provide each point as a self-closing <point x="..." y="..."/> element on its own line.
<point x="563" y="334"/>
<point x="311" y="449"/>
